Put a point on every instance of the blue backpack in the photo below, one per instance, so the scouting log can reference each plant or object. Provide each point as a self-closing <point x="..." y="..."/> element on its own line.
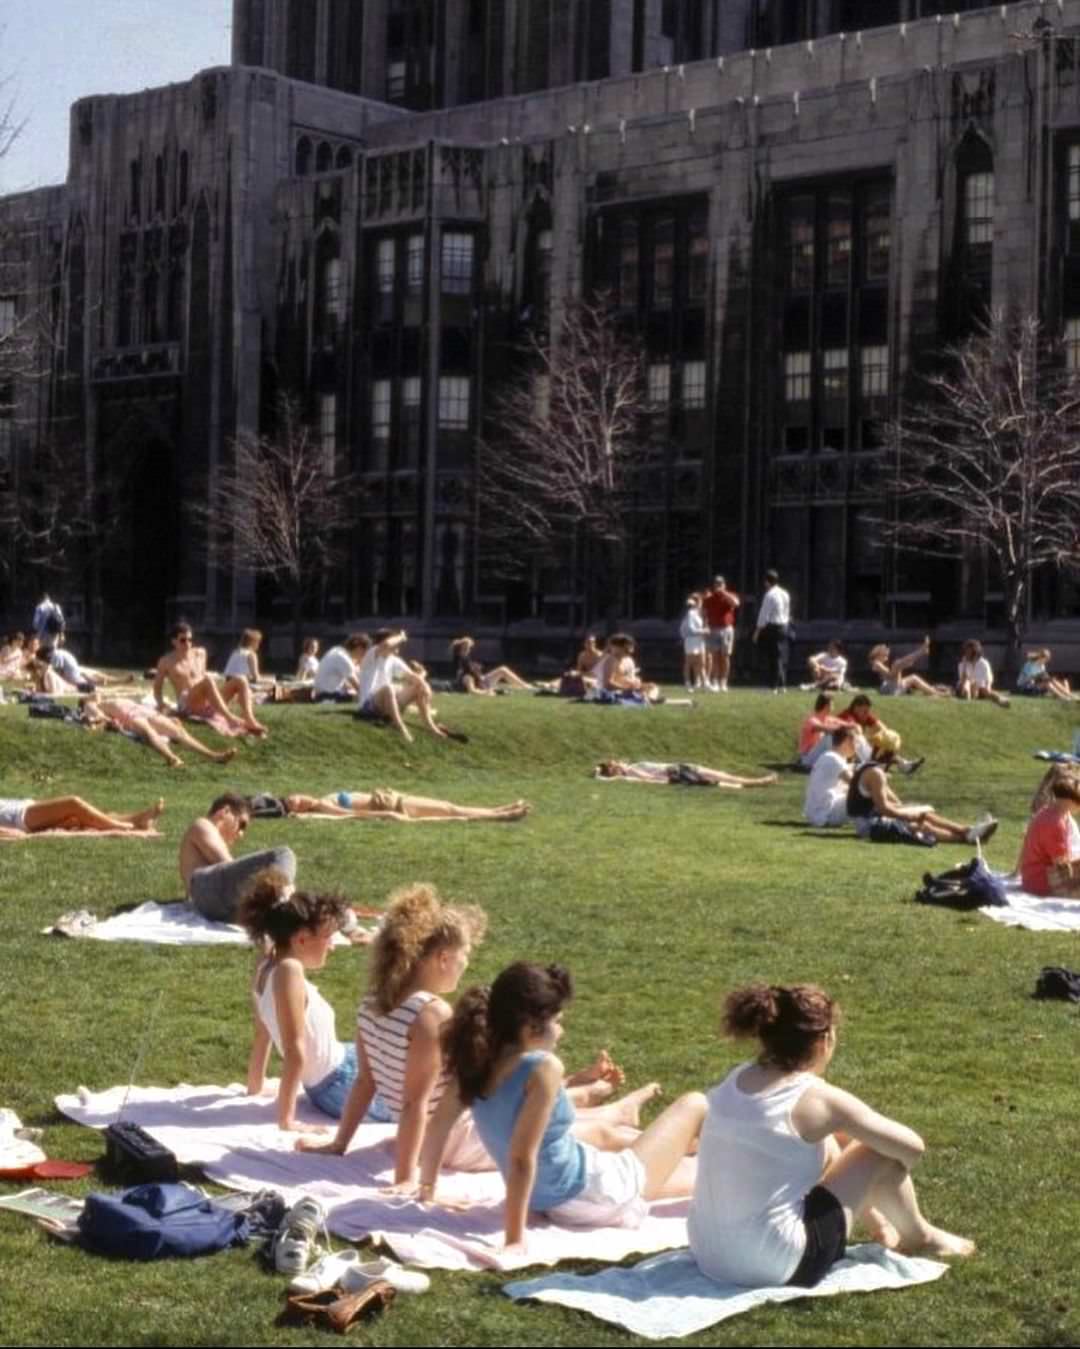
<point x="149" y="1222"/>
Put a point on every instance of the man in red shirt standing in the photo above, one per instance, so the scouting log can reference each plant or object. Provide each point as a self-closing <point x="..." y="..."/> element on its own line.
<point x="720" y="607"/>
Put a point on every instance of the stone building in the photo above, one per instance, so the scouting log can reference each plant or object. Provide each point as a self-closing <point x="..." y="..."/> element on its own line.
<point x="789" y="201"/>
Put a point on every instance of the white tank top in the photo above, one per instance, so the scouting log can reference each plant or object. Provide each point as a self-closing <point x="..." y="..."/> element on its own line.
<point x="386" y="1044"/>
<point x="323" y="1051"/>
<point x="754" y="1172"/>
<point x="238" y="666"/>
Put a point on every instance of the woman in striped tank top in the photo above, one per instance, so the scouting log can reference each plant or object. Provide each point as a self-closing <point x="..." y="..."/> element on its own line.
<point x="420" y="952"/>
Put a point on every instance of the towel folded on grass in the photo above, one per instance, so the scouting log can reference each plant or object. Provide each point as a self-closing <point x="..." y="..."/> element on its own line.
<point x="167" y="925"/>
<point x="667" y="1296"/>
<point x="233" y="1138"/>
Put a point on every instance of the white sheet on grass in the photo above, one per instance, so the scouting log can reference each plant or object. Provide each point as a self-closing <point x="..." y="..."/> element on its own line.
<point x="170" y="925"/>
<point x="234" y="1139"/>
<point x="1034" y="912"/>
<point x="667" y="1296"/>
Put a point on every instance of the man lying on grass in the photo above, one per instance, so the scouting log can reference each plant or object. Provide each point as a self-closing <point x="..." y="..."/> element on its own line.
<point x="70" y="815"/>
<point x="678" y="774"/>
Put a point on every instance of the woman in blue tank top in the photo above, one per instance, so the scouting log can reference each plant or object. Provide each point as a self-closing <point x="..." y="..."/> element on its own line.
<point x="499" y="1053"/>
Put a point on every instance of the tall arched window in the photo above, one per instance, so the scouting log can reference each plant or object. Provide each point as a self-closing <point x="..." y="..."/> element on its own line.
<point x="303" y="157"/>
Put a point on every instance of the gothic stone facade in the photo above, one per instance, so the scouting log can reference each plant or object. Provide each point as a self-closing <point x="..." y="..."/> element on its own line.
<point x="376" y="200"/>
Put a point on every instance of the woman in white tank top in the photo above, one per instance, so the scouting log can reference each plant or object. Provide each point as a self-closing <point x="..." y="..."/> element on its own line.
<point x="290" y="1013"/>
<point x="776" y="1193"/>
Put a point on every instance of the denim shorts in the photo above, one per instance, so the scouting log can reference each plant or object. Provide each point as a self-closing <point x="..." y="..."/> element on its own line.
<point x="331" y="1093"/>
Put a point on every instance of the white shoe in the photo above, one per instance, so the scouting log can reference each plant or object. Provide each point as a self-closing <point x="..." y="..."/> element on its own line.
<point x="357" y="1277"/>
<point x="713" y="687"/>
<point x="296" y="1240"/>
<point x="722" y="688"/>
<point x="328" y="1270"/>
<point x="982" y="830"/>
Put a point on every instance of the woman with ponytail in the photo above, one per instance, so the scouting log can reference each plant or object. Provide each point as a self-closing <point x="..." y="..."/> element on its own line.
<point x="788" y="1164"/>
<point x="290" y="1014"/>
<point x="499" y="1052"/>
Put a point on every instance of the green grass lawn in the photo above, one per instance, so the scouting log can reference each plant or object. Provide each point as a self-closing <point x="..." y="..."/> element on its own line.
<point x="659" y="900"/>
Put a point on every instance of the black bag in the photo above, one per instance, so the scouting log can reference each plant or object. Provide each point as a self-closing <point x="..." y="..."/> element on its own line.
<point x="132" y="1154"/>
<point x="1055" y="981"/>
<point x="971" y="885"/>
<point x="45" y="707"/>
<point x="266" y="807"/>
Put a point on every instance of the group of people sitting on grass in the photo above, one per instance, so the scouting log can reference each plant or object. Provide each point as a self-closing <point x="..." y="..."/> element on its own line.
<point x="780" y="1165"/>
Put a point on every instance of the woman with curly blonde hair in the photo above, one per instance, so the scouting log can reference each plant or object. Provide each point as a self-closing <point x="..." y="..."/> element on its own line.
<point x="419" y="954"/>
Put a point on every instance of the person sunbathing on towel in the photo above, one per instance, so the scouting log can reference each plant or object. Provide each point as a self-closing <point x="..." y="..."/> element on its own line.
<point x="686" y="774"/>
<point x="788" y="1164"/>
<point x="1048" y="865"/>
<point x="420" y="952"/>
<point x="71" y="815"/>
<point x="385" y="804"/>
<point x="156" y="728"/>
<point x="197" y="693"/>
<point x="499" y="1051"/>
<point x="213" y="881"/>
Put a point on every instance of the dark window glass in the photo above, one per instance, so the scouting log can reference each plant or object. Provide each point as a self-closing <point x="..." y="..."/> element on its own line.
<point x="800" y="243"/>
<point x="663" y="278"/>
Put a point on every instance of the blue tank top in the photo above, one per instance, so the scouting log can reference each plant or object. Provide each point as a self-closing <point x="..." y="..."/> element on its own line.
<point x="560" y="1163"/>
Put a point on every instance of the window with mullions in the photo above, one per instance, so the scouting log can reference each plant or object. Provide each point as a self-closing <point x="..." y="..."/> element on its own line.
<point x="457" y="264"/>
<point x="796" y="376"/>
<point x="659" y="386"/>
<point x="800" y="243"/>
<point x="333" y="292"/>
<point x="380" y="424"/>
<point x="414" y="264"/>
<point x="663" y="273"/>
<point x="838" y="240"/>
<point x="409" y="453"/>
<point x="328" y="432"/>
<point x="693" y="385"/>
<point x="877" y="234"/>
<point x="697" y="271"/>
<point x="834" y="373"/>
<point x="385" y="266"/>
<point x="875" y="372"/>
<point x="454" y="400"/>
<point x="978" y="209"/>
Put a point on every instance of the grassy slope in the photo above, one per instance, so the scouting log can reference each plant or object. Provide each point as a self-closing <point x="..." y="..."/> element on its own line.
<point x="660" y="900"/>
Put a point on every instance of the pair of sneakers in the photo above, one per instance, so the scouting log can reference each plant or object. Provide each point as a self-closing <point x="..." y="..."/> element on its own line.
<point x="296" y="1251"/>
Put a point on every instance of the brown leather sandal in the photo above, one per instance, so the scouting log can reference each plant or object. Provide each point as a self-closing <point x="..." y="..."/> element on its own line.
<point x="334" y="1310"/>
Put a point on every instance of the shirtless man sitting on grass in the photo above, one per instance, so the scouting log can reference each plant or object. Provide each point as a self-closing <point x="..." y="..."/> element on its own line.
<point x="386" y="804"/>
<point x="214" y="881"/>
<point x="70" y="814"/>
<point x="197" y="693"/>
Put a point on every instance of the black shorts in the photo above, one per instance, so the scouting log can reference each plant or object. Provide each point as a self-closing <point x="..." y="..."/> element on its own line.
<point x="826" y="1237"/>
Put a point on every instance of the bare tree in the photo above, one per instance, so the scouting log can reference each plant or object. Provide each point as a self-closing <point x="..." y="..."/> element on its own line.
<point x="987" y="463"/>
<point x="559" y="468"/>
<point x="281" y="508"/>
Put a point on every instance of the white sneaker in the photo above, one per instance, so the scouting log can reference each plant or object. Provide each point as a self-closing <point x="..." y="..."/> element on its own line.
<point x="713" y="686"/>
<point x="357" y="1277"/>
<point x="982" y="830"/>
<point x="296" y="1240"/>
<point x="328" y="1270"/>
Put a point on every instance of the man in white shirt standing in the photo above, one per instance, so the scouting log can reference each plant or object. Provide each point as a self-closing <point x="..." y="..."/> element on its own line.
<point x="388" y="686"/>
<point x="772" y="633"/>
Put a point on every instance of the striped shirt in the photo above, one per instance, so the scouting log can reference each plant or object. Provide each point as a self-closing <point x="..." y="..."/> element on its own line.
<point x="386" y="1044"/>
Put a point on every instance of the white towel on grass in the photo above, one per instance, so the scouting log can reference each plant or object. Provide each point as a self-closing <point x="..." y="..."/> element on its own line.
<point x="234" y="1139"/>
<point x="1037" y="913"/>
<point x="667" y="1296"/>
<point x="170" y="925"/>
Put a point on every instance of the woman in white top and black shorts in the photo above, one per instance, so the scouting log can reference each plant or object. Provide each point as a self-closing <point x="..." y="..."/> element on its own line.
<point x="777" y="1193"/>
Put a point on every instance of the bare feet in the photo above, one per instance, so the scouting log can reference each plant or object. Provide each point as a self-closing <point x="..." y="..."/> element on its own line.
<point x="881" y="1230"/>
<point x="146" y="819"/>
<point x="516" y="811"/>
<point x="174" y="762"/>
<point x="629" y="1108"/>
<point x="226" y="755"/>
<point x="940" y="1242"/>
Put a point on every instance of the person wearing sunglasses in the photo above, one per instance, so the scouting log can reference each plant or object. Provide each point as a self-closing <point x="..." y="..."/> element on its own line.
<point x="197" y="693"/>
<point x="215" y="881"/>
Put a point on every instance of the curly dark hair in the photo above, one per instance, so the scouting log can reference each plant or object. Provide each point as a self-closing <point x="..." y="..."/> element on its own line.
<point x="788" y="1019"/>
<point x="268" y="913"/>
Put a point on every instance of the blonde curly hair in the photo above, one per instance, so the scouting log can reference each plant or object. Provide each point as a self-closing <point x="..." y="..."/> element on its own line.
<point x="415" y="925"/>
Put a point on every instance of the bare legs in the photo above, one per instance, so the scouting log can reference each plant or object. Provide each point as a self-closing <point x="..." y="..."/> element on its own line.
<point x="72" y="812"/>
<point x="239" y="689"/>
<point x="504" y="675"/>
<point x="664" y="1147"/>
<point x="718" y="778"/>
<point x="390" y="704"/>
<point x="204" y="697"/>
<point x="412" y="808"/>
<point x="870" y="1186"/>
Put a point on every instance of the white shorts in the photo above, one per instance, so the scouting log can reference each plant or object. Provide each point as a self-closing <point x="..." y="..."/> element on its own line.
<point x="13" y="814"/>
<point x="612" y="1196"/>
<point x="694" y="646"/>
<point x="726" y="641"/>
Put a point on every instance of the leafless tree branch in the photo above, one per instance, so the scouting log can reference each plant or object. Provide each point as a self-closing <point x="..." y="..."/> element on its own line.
<point x="988" y="460"/>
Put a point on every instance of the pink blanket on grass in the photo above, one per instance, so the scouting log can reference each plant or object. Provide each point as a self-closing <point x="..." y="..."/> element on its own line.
<point x="234" y="1140"/>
